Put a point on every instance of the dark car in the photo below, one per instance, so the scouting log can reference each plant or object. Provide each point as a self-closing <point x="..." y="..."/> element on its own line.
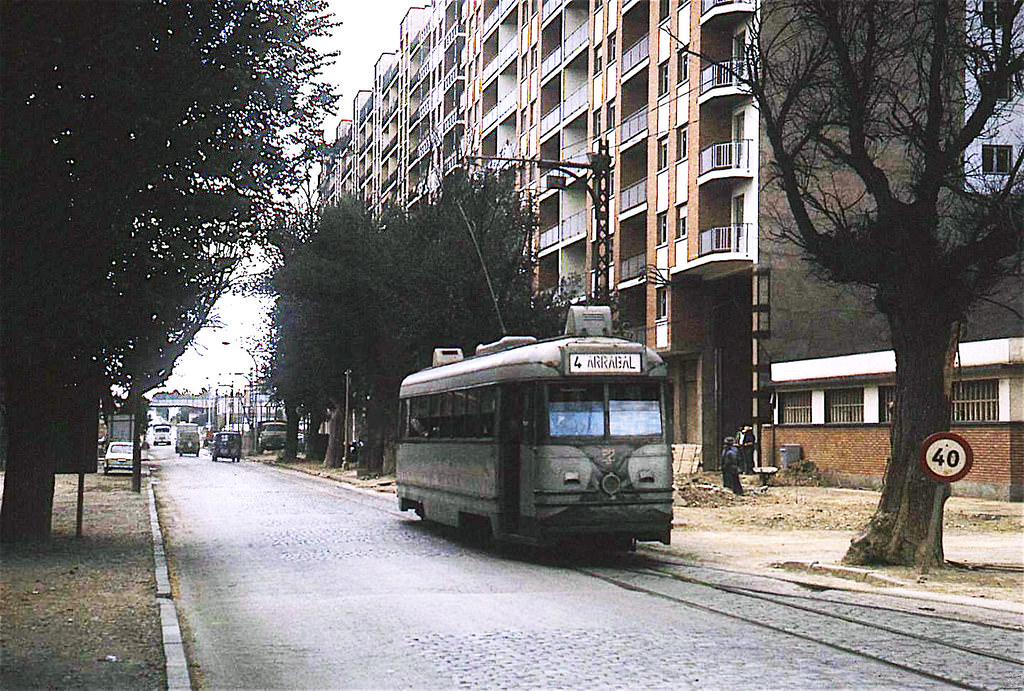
<point x="227" y="445"/>
<point x="272" y="435"/>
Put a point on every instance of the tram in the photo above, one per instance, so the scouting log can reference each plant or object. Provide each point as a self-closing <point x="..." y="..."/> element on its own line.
<point x="541" y="441"/>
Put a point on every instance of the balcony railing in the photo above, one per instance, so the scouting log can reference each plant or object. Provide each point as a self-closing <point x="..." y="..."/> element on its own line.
<point x="571" y="284"/>
<point x="508" y="50"/>
<point x="449" y="79"/>
<point x="508" y="103"/>
<point x="550" y="119"/>
<point x="634" y="195"/>
<point x="734" y="155"/>
<point x="576" y="38"/>
<point x="389" y="75"/>
<point x="574" y="224"/>
<point x="634" y="124"/>
<point x="450" y="120"/>
<point x="452" y="34"/>
<point x="553" y="60"/>
<point x="450" y="162"/>
<point x="728" y="73"/>
<point x="724" y="239"/>
<point x="489" y="118"/>
<point x="576" y="154"/>
<point x="632" y="267"/>
<point x="636" y="53"/>
<point x="550" y="7"/>
<point x="575" y="100"/>
<point x="549" y="237"/>
<point x="423" y="147"/>
<point x="708" y="5"/>
<point x="489" y="69"/>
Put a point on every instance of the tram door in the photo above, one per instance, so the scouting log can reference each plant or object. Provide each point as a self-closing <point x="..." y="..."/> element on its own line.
<point x="511" y="430"/>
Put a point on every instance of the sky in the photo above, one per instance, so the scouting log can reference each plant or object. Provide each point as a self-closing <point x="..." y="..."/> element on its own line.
<point x="217" y="356"/>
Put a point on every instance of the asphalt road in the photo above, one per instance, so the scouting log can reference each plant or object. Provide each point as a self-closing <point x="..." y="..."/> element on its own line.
<point x="289" y="581"/>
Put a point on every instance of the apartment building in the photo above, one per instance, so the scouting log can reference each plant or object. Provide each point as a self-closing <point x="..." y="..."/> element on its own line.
<point x="694" y="269"/>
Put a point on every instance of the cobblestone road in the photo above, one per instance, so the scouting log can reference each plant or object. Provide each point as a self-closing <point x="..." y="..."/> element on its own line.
<point x="287" y="581"/>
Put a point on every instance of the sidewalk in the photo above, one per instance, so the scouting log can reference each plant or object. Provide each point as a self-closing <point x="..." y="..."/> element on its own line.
<point x="801" y="533"/>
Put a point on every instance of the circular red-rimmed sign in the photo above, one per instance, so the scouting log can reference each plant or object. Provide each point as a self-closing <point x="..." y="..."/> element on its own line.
<point x="946" y="456"/>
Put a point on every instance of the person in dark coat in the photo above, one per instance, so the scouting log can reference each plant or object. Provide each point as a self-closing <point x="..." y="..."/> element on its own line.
<point x="731" y="466"/>
<point x="746" y="443"/>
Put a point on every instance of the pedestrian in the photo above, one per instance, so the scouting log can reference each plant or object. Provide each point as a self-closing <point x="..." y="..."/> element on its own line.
<point x="731" y="466"/>
<point x="747" y="441"/>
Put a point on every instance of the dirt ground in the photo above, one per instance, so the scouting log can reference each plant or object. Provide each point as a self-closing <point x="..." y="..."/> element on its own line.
<point x="81" y="613"/>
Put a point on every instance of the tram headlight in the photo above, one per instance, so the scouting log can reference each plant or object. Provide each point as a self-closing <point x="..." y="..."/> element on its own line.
<point x="611" y="484"/>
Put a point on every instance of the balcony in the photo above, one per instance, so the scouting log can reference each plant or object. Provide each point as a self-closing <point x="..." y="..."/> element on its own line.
<point x="709" y="9"/>
<point x="724" y="239"/>
<point x="507" y="51"/>
<point x="453" y="75"/>
<point x="576" y="100"/>
<point x="633" y="125"/>
<point x="633" y="267"/>
<point x="723" y="79"/>
<point x="450" y="121"/>
<point x="634" y="195"/>
<point x="450" y="162"/>
<point x="452" y="34"/>
<point x="549" y="237"/>
<point x="550" y="119"/>
<point x="489" y="118"/>
<point x="636" y="53"/>
<point x="578" y="37"/>
<point x="549" y="8"/>
<point x="574" y="224"/>
<point x="489" y="70"/>
<point x="389" y="76"/>
<point x="553" y="60"/>
<point x="508" y="103"/>
<point x="423" y="147"/>
<point x="726" y="159"/>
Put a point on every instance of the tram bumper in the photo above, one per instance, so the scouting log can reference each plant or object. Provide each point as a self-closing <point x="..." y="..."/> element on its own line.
<point x="649" y="519"/>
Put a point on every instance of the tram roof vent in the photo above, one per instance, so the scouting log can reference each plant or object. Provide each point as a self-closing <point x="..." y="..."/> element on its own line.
<point x="505" y="343"/>
<point x="442" y="356"/>
<point x="589" y="321"/>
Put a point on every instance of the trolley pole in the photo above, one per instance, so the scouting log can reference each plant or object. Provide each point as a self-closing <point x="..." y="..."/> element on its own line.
<point x="596" y="173"/>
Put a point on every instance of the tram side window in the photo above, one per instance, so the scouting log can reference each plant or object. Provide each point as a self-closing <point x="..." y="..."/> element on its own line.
<point x="488" y="406"/>
<point x="576" y="410"/>
<point x="634" y="410"/>
<point x="452" y="415"/>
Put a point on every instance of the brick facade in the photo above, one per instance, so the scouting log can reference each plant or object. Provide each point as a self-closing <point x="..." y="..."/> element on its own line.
<point x="857" y="454"/>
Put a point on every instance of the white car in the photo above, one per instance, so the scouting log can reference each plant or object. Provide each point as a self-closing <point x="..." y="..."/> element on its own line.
<point x="118" y="457"/>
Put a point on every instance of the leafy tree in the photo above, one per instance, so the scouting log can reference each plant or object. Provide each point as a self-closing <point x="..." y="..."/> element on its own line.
<point x="378" y="295"/>
<point x="141" y="141"/>
<point x="873" y="110"/>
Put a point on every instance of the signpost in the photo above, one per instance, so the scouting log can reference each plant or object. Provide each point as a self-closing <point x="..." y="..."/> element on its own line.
<point x="945" y="457"/>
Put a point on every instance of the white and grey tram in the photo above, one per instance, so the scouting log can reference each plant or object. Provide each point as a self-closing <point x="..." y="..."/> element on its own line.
<point x="541" y="441"/>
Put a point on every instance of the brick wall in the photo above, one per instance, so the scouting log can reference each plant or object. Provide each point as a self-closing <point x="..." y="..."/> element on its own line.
<point x="858" y="453"/>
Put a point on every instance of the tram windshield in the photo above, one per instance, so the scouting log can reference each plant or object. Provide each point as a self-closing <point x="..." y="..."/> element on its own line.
<point x="599" y="410"/>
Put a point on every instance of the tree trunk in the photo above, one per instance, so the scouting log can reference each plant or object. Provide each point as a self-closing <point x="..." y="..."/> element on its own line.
<point x="336" y="440"/>
<point x="33" y="407"/>
<point x="316" y="418"/>
<point x="291" y="439"/>
<point x="898" y="532"/>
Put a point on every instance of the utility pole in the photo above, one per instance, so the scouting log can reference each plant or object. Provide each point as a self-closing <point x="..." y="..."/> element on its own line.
<point x="596" y="174"/>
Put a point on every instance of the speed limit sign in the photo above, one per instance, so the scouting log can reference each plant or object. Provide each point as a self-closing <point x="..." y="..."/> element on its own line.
<point x="946" y="456"/>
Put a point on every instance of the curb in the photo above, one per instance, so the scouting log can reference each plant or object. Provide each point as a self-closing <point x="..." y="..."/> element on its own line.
<point x="176" y="664"/>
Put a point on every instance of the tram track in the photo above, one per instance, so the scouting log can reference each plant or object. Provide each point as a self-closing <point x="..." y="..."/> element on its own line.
<point x="1010" y="668"/>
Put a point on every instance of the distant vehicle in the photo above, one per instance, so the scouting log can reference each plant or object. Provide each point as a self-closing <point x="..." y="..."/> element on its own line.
<point x="187" y="439"/>
<point x="162" y="435"/>
<point x="541" y="441"/>
<point x="272" y="435"/>
<point x="227" y="445"/>
<point x="118" y="457"/>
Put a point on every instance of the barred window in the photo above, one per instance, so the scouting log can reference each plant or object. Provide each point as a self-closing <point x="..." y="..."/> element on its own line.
<point x="886" y="403"/>
<point x="844" y="405"/>
<point x="976" y="401"/>
<point x="795" y="407"/>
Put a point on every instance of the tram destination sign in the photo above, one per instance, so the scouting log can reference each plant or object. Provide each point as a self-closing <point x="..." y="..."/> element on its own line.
<point x="604" y="363"/>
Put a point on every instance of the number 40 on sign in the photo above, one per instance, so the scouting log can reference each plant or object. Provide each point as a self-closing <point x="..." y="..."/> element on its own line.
<point x="946" y="456"/>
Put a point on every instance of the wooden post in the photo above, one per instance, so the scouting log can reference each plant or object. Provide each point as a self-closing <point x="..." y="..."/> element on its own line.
<point x="81" y="498"/>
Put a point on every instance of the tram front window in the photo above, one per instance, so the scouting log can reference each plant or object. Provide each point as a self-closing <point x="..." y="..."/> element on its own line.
<point x="634" y="410"/>
<point x="576" y="411"/>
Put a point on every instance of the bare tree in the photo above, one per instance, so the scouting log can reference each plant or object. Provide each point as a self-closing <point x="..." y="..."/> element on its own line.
<point x="873" y="111"/>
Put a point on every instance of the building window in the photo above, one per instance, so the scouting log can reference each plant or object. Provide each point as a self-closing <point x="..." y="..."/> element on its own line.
<point x="795" y="408"/>
<point x="597" y="121"/>
<point x="995" y="12"/>
<point x="844" y="405"/>
<point x="976" y="401"/>
<point x="682" y="143"/>
<point x="682" y="65"/>
<point x="662" y="228"/>
<point x="681" y="223"/>
<point x="886" y="403"/>
<point x="660" y="304"/>
<point x="995" y="158"/>
<point x="663" y="153"/>
<point x="597" y="59"/>
<point x="611" y="49"/>
<point x="610" y="115"/>
<point x="663" y="10"/>
<point x="662" y="79"/>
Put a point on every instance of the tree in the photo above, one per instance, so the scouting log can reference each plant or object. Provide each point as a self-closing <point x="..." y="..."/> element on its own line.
<point x="873" y="111"/>
<point x="375" y="296"/>
<point x="141" y="142"/>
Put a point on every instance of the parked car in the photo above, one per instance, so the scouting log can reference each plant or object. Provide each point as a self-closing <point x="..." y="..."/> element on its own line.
<point x="272" y="435"/>
<point x="227" y="445"/>
<point x="118" y="457"/>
